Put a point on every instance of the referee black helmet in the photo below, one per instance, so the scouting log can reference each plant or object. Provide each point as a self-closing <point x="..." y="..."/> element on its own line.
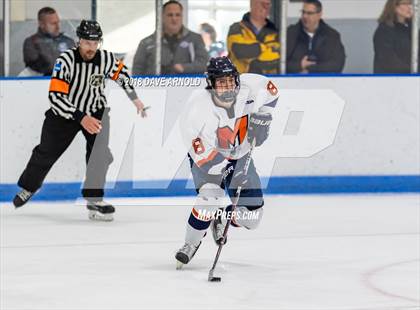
<point x="89" y="30"/>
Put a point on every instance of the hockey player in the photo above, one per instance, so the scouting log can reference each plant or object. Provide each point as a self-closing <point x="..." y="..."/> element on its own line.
<point x="220" y="125"/>
<point x="78" y="103"/>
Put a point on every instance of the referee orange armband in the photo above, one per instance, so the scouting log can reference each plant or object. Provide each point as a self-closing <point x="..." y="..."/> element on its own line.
<point x="117" y="73"/>
<point x="59" y="86"/>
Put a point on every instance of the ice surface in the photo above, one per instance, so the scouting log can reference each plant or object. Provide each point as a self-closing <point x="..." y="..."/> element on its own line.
<point x="310" y="252"/>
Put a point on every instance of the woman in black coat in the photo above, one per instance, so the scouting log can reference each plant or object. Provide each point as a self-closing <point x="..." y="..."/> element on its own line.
<point x="392" y="39"/>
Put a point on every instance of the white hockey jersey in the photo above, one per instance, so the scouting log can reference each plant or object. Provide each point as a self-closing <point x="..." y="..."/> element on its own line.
<point x="214" y="134"/>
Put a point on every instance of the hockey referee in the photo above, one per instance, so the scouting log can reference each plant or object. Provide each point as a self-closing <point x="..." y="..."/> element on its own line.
<point x="77" y="99"/>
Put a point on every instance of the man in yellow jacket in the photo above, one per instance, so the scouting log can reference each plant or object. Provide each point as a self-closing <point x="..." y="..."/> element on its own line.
<point x="253" y="43"/>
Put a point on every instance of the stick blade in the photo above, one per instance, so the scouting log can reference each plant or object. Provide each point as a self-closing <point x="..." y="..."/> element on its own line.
<point x="212" y="278"/>
<point x="179" y="265"/>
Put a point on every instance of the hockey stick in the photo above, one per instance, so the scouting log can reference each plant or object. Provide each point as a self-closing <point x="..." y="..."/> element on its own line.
<point x="211" y="277"/>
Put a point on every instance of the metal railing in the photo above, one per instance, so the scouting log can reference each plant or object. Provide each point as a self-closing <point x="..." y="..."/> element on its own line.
<point x="158" y="10"/>
<point x="415" y="37"/>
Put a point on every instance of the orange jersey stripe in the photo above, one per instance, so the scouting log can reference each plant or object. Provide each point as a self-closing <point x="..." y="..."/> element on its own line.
<point x="60" y="86"/>
<point x="205" y="160"/>
<point x="117" y="73"/>
<point x="197" y="215"/>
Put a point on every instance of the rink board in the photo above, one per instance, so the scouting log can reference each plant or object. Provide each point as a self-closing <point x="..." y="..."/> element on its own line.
<point x="375" y="147"/>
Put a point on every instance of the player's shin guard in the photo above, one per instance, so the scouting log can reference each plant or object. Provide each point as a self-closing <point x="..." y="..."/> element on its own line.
<point x="242" y="217"/>
<point x="196" y="227"/>
<point x="248" y="217"/>
<point x="196" y="230"/>
<point x="209" y="199"/>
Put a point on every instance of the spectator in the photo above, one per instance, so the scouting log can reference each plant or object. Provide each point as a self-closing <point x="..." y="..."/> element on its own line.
<point x="213" y="47"/>
<point x="312" y="45"/>
<point x="392" y="39"/>
<point x="253" y="43"/>
<point x="42" y="48"/>
<point x="183" y="51"/>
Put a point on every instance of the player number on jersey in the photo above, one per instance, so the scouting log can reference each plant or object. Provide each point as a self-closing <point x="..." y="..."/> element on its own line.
<point x="198" y="146"/>
<point x="272" y="89"/>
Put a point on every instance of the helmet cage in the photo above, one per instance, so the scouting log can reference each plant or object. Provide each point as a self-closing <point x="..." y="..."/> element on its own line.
<point x="222" y="67"/>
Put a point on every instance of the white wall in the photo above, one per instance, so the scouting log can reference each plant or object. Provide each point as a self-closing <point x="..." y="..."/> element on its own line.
<point x="339" y="9"/>
<point x="28" y="9"/>
<point x="378" y="133"/>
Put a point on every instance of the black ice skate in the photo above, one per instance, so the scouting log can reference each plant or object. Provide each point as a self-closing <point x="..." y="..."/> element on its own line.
<point x="185" y="254"/>
<point x="100" y="211"/>
<point x="22" y="197"/>
<point x="217" y="229"/>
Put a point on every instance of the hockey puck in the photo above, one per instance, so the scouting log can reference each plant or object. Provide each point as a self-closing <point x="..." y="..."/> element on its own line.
<point x="215" y="279"/>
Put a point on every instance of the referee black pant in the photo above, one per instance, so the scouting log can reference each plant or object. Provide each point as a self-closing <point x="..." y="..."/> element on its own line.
<point x="57" y="134"/>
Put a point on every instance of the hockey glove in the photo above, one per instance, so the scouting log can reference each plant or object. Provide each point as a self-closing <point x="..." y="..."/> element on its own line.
<point x="239" y="178"/>
<point x="259" y="127"/>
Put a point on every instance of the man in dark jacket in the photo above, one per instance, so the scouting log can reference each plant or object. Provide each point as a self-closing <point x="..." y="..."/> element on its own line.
<point x="42" y="48"/>
<point x="183" y="51"/>
<point x="312" y="45"/>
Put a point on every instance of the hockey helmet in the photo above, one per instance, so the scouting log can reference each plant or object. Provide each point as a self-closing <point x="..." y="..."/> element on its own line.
<point x="89" y="30"/>
<point x="221" y="67"/>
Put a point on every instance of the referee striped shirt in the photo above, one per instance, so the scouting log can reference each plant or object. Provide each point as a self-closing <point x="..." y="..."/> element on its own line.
<point x="77" y="86"/>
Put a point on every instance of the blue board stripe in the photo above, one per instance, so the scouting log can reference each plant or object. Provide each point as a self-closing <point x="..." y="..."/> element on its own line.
<point x="276" y="185"/>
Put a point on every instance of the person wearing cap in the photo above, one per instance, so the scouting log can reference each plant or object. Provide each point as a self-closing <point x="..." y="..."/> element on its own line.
<point x="78" y="103"/>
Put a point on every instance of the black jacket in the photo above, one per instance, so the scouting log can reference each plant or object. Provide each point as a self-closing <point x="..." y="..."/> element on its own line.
<point x="327" y="49"/>
<point x="41" y="50"/>
<point x="187" y="49"/>
<point x="392" y="48"/>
